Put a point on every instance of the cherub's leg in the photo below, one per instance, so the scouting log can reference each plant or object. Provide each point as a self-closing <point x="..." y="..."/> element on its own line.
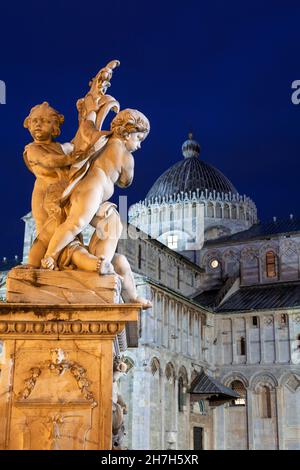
<point x="110" y="229"/>
<point x="36" y="253"/>
<point x="81" y="213"/>
<point x="39" y="246"/>
<point x="129" y="293"/>
<point x="88" y="262"/>
<point x="84" y="260"/>
<point x="39" y="214"/>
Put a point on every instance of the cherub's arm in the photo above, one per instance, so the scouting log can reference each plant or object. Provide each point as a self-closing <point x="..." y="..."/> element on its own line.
<point x="49" y="157"/>
<point x="86" y="136"/>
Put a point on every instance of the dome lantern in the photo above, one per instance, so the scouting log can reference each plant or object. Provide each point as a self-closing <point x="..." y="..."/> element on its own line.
<point x="191" y="148"/>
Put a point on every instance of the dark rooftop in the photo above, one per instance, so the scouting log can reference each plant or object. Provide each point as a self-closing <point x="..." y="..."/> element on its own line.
<point x="260" y="230"/>
<point x="257" y="297"/>
<point x="206" y="385"/>
<point x="207" y="299"/>
<point x="283" y="295"/>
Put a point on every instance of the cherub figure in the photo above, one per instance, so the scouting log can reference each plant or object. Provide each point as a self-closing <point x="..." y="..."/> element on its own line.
<point x="114" y="164"/>
<point x="50" y="162"/>
<point x="86" y="201"/>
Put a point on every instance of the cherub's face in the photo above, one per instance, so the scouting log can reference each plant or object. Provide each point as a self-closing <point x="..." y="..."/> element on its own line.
<point x="134" y="140"/>
<point x="42" y="125"/>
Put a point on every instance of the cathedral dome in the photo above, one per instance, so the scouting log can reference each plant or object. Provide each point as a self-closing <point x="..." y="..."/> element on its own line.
<point x="190" y="174"/>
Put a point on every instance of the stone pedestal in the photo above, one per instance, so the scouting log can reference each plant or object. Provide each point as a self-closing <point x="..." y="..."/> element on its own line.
<point x="56" y="374"/>
<point x="41" y="286"/>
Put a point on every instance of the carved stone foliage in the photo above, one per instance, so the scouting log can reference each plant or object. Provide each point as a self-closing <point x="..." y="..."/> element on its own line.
<point x="35" y="372"/>
<point x="59" y="365"/>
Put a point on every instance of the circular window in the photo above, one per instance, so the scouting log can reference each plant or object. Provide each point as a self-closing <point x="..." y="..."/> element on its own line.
<point x="214" y="263"/>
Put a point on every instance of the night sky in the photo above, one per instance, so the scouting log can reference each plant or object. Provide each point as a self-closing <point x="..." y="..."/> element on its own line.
<point x="221" y="69"/>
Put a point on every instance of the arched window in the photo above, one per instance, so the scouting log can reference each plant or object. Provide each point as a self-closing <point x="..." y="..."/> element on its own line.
<point x="242" y="350"/>
<point x="194" y="213"/>
<point x="284" y="319"/>
<point x="210" y="210"/>
<point x="226" y="211"/>
<point x="172" y="241"/>
<point x="159" y="269"/>
<point x="266" y="411"/>
<point x="155" y="366"/>
<point x="160" y="220"/>
<point x="171" y="218"/>
<point x="271" y="264"/>
<point x="233" y="211"/>
<point x="238" y="387"/>
<point x="149" y="220"/>
<point x="169" y="372"/>
<point x="218" y="211"/>
<point x="202" y="407"/>
<point x="140" y="257"/>
<point x="181" y="395"/>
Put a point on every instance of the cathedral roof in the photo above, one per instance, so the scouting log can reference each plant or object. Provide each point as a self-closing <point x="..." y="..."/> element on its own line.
<point x="263" y="297"/>
<point x="258" y="297"/>
<point x="190" y="174"/>
<point x="260" y="230"/>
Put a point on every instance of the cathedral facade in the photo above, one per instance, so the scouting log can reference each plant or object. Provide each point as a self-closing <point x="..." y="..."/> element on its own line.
<point x="218" y="360"/>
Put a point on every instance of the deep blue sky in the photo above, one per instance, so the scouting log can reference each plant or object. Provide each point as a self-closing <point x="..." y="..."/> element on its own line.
<point x="222" y="69"/>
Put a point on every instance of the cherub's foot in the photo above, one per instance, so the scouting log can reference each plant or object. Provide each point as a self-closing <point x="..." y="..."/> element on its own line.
<point x="48" y="263"/>
<point x="145" y="302"/>
<point x="104" y="266"/>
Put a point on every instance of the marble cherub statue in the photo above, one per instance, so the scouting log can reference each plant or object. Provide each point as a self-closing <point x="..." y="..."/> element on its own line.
<point x="51" y="161"/>
<point x="114" y="164"/>
<point x="87" y="203"/>
<point x="75" y="181"/>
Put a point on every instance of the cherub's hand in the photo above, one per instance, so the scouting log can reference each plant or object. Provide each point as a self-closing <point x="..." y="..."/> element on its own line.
<point x="48" y="263"/>
<point x="91" y="103"/>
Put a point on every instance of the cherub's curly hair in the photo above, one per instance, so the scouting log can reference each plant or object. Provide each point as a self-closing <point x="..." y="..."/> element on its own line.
<point x="128" y="121"/>
<point x="59" y="118"/>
